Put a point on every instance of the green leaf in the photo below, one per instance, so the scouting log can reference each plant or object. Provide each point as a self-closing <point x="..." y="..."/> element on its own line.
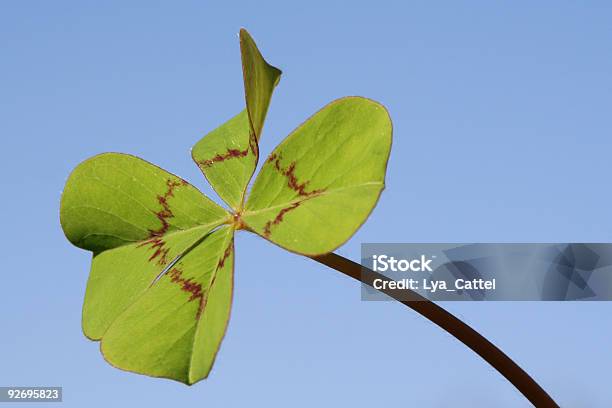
<point x="228" y="155"/>
<point x="260" y="78"/>
<point x="321" y="183"/>
<point x="174" y="329"/>
<point x="119" y="276"/>
<point x="115" y="199"/>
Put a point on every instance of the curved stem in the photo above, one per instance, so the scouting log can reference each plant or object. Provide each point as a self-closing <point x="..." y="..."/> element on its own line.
<point x="461" y="331"/>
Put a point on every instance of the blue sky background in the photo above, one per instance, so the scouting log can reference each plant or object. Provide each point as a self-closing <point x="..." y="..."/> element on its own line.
<point x="502" y="134"/>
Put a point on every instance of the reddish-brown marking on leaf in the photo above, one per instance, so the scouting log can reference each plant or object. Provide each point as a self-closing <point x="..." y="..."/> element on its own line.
<point x="161" y="252"/>
<point x="281" y="215"/>
<point x="226" y="255"/>
<point x="229" y="154"/>
<point x="279" y="218"/>
<point x="220" y="265"/>
<point x="274" y="158"/>
<point x="232" y="153"/>
<point x="293" y="184"/>
<point x="155" y="240"/>
<point x="292" y="180"/>
<point x="253" y="144"/>
<point x="194" y="288"/>
<point x="189" y="286"/>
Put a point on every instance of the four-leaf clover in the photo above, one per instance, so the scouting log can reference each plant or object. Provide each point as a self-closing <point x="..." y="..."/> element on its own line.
<point x="160" y="288"/>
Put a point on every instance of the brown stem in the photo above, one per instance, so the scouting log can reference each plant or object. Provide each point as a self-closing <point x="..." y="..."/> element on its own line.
<point x="461" y="331"/>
